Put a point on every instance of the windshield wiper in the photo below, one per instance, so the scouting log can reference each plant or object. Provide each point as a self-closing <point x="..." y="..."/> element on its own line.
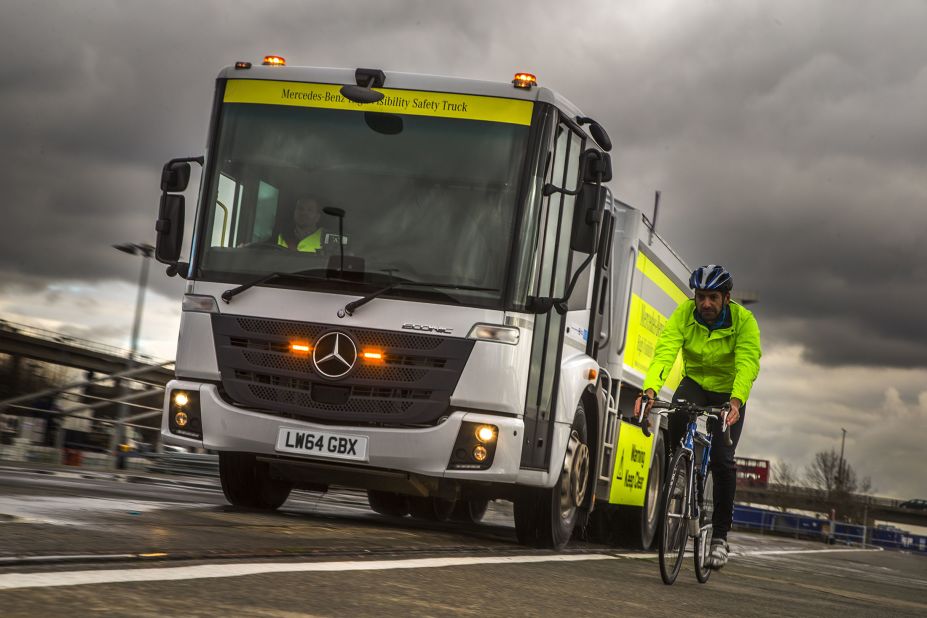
<point x="352" y="306"/>
<point x="228" y="295"/>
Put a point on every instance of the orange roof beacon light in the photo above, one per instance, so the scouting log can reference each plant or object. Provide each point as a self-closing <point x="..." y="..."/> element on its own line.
<point x="524" y="80"/>
<point x="274" y="61"/>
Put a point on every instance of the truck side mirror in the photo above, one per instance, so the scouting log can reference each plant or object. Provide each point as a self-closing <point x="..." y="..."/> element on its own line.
<point x="169" y="228"/>
<point x="175" y="176"/>
<point x="587" y="214"/>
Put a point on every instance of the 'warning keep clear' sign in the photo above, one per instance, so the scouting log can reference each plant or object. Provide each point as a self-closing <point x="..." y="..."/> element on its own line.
<point x="632" y="464"/>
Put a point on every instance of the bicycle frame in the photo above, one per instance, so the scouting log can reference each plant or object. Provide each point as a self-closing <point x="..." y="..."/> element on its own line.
<point x="692" y="437"/>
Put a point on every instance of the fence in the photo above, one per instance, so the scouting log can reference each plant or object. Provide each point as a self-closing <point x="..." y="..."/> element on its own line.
<point x="825" y="530"/>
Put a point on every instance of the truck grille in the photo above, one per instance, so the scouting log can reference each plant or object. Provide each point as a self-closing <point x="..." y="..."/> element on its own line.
<point x="411" y="386"/>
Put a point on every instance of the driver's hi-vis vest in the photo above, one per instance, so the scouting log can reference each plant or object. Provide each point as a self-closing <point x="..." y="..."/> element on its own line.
<point x="309" y="244"/>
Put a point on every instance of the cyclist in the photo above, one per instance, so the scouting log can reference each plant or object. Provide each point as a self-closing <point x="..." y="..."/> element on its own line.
<point x="720" y="343"/>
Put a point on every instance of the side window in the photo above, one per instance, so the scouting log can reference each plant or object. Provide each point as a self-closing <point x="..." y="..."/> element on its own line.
<point x="266" y="211"/>
<point x="557" y="215"/>
<point x="245" y="212"/>
<point x="226" y="206"/>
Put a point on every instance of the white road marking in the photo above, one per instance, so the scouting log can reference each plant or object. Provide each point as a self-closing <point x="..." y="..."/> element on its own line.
<point x="79" y="578"/>
<point x="79" y="511"/>
<point x="204" y="571"/>
<point x="782" y="552"/>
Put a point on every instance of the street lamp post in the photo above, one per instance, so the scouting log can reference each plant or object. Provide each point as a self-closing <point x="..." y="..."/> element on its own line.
<point x="840" y="475"/>
<point x="145" y="251"/>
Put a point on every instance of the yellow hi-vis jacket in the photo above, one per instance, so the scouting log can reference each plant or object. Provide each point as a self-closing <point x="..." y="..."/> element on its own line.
<point x="724" y="360"/>
<point x="310" y="244"/>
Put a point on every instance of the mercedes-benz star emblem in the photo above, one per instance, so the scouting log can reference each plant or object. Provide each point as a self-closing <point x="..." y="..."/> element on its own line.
<point x="334" y="355"/>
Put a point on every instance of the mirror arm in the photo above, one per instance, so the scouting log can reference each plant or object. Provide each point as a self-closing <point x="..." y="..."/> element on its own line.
<point x="550" y="188"/>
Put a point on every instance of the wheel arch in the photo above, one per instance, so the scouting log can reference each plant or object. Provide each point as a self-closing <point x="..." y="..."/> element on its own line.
<point x="593" y="406"/>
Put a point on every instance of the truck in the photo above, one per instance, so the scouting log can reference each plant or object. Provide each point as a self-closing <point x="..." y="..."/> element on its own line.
<point x="471" y="319"/>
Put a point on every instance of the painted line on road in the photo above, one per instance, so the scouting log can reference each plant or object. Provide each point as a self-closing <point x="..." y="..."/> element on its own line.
<point x="782" y="552"/>
<point x="13" y="581"/>
<point x="79" y="578"/>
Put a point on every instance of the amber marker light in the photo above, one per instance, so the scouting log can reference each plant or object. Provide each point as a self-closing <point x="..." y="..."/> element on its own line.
<point x="274" y="61"/>
<point x="374" y="356"/>
<point x="524" y="80"/>
<point x="300" y="348"/>
<point x="181" y="418"/>
<point x="593" y="374"/>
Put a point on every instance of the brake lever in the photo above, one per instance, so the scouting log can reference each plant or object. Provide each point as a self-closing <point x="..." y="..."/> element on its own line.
<point x="642" y="419"/>
<point x="727" y="428"/>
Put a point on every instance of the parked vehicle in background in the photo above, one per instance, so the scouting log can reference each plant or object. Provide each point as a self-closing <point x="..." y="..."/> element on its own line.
<point x="914" y="504"/>
<point x="752" y="472"/>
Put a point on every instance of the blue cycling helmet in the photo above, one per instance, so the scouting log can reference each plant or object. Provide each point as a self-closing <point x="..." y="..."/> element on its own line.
<point x="711" y="277"/>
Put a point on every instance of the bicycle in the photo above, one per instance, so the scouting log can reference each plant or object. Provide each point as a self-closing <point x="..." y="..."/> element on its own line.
<point x="686" y="503"/>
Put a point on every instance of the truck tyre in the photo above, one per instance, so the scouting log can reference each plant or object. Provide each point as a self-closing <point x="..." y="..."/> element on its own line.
<point x="247" y="483"/>
<point x="431" y="509"/>
<point x="388" y="503"/>
<point x="470" y="511"/>
<point x="636" y="526"/>
<point x="546" y="517"/>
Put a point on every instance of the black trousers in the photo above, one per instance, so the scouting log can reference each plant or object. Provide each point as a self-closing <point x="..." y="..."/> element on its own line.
<point x="723" y="468"/>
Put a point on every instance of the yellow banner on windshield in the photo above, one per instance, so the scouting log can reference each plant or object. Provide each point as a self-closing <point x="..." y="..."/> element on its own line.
<point x="411" y="102"/>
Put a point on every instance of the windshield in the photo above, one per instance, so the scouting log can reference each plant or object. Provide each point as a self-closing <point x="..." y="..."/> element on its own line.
<point x="424" y="197"/>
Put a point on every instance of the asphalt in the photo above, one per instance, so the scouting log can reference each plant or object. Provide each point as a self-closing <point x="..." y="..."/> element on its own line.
<point x="59" y="525"/>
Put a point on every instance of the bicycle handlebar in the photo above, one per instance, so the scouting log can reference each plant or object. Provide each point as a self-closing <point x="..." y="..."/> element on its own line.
<point x="681" y="406"/>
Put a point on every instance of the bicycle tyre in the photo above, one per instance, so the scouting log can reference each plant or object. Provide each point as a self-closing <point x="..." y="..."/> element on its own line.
<point x="703" y="543"/>
<point x="674" y="532"/>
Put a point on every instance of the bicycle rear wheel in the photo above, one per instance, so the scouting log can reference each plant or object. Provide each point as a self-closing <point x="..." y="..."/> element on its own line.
<point x="673" y="528"/>
<point x="703" y="540"/>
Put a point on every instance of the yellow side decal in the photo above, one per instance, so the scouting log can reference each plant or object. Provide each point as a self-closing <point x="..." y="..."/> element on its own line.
<point x="632" y="466"/>
<point x="411" y="102"/>
<point x="644" y="326"/>
<point x="653" y="272"/>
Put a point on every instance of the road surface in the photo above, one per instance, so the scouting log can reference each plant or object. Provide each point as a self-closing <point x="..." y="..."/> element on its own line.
<point x="81" y="544"/>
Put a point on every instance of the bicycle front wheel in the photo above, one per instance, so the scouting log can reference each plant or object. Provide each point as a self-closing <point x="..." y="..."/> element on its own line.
<point x="673" y="528"/>
<point x="703" y="540"/>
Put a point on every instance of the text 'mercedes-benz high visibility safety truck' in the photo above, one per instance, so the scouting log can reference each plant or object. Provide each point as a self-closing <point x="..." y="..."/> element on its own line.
<point x="470" y="319"/>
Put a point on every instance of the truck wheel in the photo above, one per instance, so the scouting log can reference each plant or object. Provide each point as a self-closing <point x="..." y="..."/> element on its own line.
<point x="636" y="526"/>
<point x="388" y="503"/>
<point x="247" y="483"/>
<point x="470" y="511"/>
<point x="431" y="509"/>
<point x="546" y="517"/>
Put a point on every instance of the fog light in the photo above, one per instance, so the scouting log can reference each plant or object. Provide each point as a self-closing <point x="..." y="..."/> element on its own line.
<point x="485" y="433"/>
<point x="184" y="415"/>
<point x="475" y="446"/>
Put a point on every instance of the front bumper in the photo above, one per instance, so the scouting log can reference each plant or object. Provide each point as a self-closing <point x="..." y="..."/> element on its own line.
<point x="424" y="451"/>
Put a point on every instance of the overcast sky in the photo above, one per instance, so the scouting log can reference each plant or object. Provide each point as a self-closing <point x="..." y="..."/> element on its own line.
<point x="788" y="138"/>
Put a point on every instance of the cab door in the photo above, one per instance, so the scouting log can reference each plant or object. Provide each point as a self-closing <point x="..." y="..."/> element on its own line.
<point x="554" y="263"/>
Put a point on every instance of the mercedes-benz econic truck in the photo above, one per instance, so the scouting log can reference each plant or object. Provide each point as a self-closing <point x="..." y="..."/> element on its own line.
<point x="422" y="287"/>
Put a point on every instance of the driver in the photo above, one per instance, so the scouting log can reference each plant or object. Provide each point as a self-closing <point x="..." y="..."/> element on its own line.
<point x="305" y="234"/>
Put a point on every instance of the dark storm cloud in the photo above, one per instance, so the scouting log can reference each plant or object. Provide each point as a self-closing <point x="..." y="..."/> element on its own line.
<point x="788" y="138"/>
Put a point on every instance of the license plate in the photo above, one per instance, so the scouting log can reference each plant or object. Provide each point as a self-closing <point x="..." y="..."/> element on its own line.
<point x="322" y="444"/>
